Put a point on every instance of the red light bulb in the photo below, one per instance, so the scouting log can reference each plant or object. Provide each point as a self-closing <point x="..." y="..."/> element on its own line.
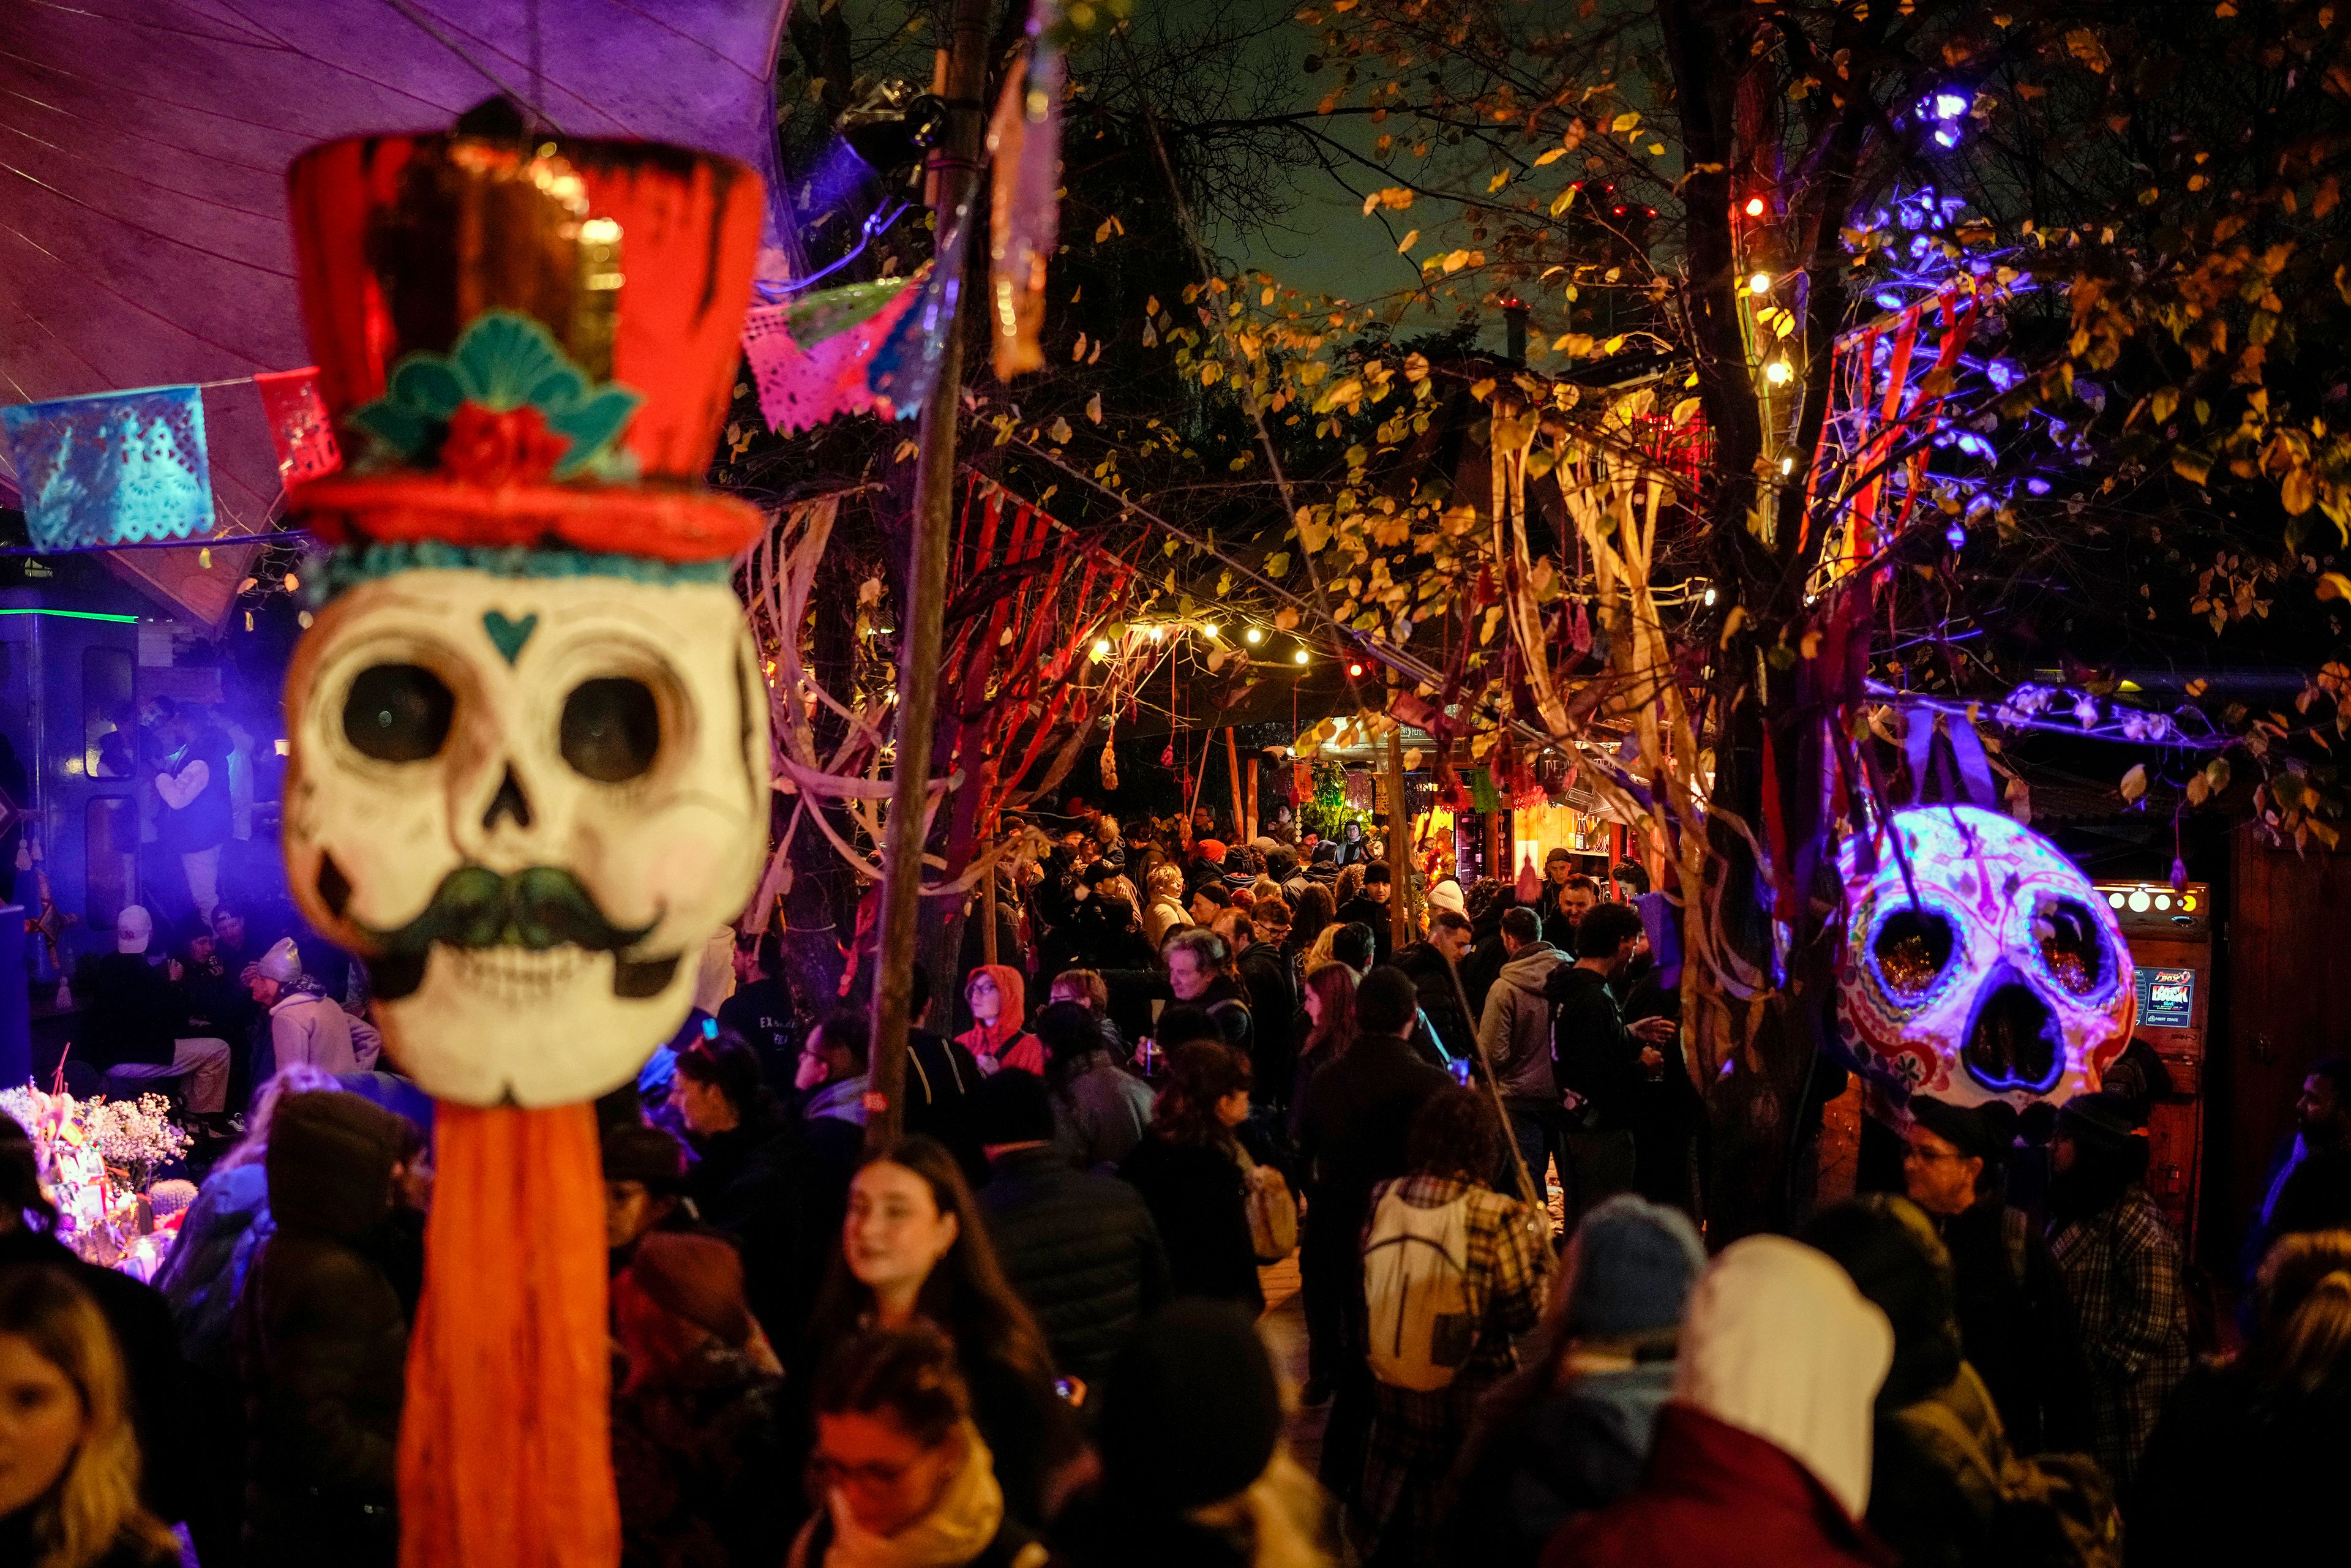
<point x="1754" y="206"/>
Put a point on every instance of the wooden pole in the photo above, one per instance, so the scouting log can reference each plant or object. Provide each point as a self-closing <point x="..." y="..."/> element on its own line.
<point x="1251" y="777"/>
<point x="987" y="897"/>
<point x="1400" y="926"/>
<point x="955" y="165"/>
<point x="1233" y="766"/>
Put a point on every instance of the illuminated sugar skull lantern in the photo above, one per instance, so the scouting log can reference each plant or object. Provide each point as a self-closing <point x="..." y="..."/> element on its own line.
<point x="528" y="771"/>
<point x="2007" y="978"/>
<point x="530" y="754"/>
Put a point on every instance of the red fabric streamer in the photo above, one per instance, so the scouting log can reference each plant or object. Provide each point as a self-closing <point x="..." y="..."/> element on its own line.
<point x="505" y="1442"/>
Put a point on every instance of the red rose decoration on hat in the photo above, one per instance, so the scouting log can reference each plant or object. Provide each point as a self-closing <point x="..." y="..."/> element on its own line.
<point x="495" y="447"/>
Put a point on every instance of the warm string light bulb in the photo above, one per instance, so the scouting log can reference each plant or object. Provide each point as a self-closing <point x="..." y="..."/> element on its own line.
<point x="1779" y="372"/>
<point x="1299" y="656"/>
<point x="1255" y="635"/>
<point x="1760" y="284"/>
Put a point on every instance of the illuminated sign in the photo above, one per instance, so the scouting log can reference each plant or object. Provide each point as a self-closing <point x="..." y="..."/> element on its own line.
<point x="2167" y="998"/>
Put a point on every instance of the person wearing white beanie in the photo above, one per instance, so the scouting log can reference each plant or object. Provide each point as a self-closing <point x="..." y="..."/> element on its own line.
<point x="136" y="1020"/>
<point x="1762" y="1453"/>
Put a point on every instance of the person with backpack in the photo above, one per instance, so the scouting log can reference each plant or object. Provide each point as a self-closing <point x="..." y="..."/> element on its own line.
<point x="1946" y="1490"/>
<point x="1452" y="1270"/>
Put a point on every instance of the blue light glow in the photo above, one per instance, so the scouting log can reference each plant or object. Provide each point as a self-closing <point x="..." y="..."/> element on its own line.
<point x="1951" y="105"/>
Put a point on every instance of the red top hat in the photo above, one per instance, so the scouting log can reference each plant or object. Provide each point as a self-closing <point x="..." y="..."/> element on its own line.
<point x="526" y="341"/>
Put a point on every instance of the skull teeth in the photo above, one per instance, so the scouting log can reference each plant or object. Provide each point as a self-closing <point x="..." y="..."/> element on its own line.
<point x="517" y="977"/>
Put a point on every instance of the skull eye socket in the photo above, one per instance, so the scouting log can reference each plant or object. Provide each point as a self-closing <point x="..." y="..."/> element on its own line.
<point x="1912" y="947"/>
<point x="398" y="712"/>
<point x="2067" y="935"/>
<point x="612" y="729"/>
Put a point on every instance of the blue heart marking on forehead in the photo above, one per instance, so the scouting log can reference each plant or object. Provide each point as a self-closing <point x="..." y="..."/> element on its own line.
<point x="508" y="636"/>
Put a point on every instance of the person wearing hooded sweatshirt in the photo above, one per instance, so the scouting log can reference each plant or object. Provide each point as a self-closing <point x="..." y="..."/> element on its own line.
<point x="1194" y="1473"/>
<point x="998" y="1000"/>
<point x="304" y="1026"/>
<point x="1571" y="1433"/>
<point x="2121" y="1266"/>
<point x="1514" y="1040"/>
<point x="1762" y="1456"/>
<point x="323" y="1339"/>
<point x="1941" y="1468"/>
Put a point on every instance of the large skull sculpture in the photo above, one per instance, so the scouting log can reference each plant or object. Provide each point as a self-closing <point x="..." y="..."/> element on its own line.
<point x="584" y="742"/>
<point x="529" y="758"/>
<point x="2007" y="978"/>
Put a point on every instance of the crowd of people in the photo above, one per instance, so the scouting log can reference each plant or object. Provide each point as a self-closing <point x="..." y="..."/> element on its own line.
<point x="1024" y="1331"/>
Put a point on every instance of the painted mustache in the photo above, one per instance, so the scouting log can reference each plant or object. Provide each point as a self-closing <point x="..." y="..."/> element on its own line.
<point x="536" y="909"/>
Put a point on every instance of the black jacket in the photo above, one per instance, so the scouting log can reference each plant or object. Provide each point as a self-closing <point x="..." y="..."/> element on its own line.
<point x="1482" y="969"/>
<point x="1365" y="910"/>
<point x="323" y="1342"/>
<point x="1440" y="1001"/>
<point x="1199" y="1200"/>
<point x="1350" y="1137"/>
<point x="1594" y="1055"/>
<point x="133" y="1013"/>
<point x="762" y="1012"/>
<point x="1080" y="1249"/>
<point x="761" y="1188"/>
<point x="2017" y="1329"/>
<point x="1272" y="982"/>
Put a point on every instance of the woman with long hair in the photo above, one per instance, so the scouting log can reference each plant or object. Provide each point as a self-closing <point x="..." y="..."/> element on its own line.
<point x="899" y="1475"/>
<point x="1431" y="1368"/>
<point x="915" y="1246"/>
<point x="1311" y="912"/>
<point x="1193" y="1174"/>
<point x="2246" y="1464"/>
<point x="68" y="1461"/>
<point x="1330" y="1006"/>
<point x="1351" y="882"/>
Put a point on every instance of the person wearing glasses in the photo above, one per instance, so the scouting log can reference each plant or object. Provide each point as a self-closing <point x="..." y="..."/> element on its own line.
<point x="900" y="1474"/>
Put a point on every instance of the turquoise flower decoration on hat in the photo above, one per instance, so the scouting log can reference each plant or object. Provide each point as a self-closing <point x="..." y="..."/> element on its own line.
<point x="505" y="405"/>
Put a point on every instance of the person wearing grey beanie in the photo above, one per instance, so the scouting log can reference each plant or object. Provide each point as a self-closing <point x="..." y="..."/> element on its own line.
<point x="1572" y="1431"/>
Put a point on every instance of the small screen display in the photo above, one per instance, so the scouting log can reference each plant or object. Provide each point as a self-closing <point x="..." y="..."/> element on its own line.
<point x="2167" y="998"/>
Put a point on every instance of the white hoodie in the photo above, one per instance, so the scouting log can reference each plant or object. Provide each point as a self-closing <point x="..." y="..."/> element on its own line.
<point x="1780" y="1343"/>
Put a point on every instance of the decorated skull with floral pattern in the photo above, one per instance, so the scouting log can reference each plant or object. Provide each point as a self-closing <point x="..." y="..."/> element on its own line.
<point x="1979" y="963"/>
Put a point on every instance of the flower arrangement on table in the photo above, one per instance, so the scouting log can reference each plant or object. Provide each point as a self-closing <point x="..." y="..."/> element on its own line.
<point x="97" y="1158"/>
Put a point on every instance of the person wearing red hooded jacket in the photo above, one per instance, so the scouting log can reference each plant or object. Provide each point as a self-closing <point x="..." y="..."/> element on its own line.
<point x="998" y="1000"/>
<point x="1762" y="1457"/>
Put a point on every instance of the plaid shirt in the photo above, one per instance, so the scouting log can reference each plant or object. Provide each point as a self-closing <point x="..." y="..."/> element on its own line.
<point x="1415" y="1436"/>
<point x="2121" y="1269"/>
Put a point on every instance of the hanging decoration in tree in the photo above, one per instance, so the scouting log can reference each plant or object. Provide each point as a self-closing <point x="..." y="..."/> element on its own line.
<point x="1979" y="963"/>
<point x="812" y="357"/>
<point x="116" y="469"/>
<point x="300" y="426"/>
<point x="1024" y="206"/>
<point x="526" y="781"/>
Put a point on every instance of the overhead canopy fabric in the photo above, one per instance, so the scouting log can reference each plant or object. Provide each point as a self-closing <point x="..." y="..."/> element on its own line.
<point x="143" y="146"/>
